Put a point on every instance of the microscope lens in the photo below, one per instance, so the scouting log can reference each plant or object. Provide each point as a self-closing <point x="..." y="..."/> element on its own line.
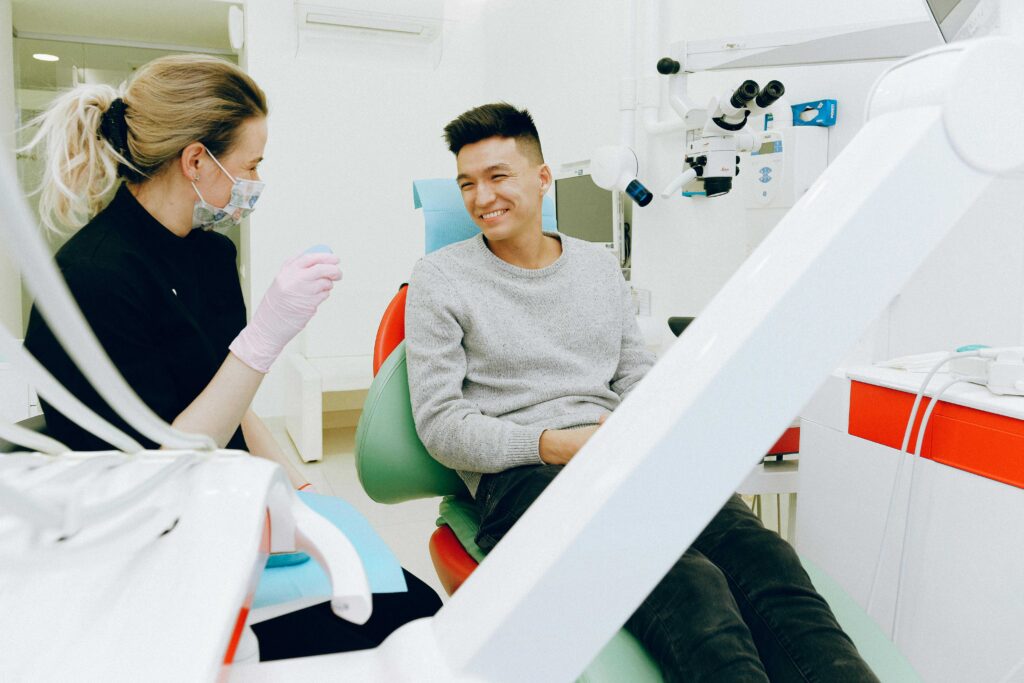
<point x="638" y="193"/>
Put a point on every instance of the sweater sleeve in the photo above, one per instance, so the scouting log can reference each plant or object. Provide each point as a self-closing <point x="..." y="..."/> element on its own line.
<point x="634" y="358"/>
<point x="451" y="427"/>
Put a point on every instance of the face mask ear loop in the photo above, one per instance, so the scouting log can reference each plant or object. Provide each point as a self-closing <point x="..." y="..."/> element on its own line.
<point x="224" y="170"/>
<point x="200" y="194"/>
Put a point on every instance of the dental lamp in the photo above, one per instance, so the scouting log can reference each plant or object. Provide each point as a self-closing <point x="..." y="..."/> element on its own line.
<point x="615" y="168"/>
<point x="712" y="154"/>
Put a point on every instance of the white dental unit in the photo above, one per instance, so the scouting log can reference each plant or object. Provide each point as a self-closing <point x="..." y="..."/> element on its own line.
<point x="849" y="244"/>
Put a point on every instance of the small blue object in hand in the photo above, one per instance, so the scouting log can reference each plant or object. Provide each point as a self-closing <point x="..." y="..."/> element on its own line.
<point x="319" y="249"/>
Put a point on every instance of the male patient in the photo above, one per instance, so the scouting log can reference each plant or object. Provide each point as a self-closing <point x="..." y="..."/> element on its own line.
<point x="519" y="343"/>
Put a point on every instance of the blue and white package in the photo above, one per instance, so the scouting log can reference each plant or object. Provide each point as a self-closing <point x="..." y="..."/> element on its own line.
<point x="816" y="113"/>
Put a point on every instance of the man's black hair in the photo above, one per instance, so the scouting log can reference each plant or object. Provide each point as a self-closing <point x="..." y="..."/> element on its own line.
<point x="500" y="119"/>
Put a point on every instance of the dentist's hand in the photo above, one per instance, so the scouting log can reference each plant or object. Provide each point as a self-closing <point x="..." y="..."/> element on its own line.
<point x="302" y="284"/>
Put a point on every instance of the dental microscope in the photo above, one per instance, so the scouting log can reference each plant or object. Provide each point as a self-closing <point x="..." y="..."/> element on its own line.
<point x="713" y="147"/>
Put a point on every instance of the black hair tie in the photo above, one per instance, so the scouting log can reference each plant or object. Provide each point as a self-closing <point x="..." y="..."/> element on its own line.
<point x="114" y="127"/>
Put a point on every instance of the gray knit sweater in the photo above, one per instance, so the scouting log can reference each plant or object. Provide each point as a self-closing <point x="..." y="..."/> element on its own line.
<point x="497" y="353"/>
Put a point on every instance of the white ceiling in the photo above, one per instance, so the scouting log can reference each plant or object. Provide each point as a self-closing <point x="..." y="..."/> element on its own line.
<point x="182" y="23"/>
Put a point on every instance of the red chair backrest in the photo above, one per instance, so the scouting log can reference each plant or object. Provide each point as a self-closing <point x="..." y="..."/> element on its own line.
<point x="391" y="331"/>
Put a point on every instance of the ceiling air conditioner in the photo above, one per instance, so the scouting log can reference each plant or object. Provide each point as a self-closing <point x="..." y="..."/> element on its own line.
<point x="402" y="20"/>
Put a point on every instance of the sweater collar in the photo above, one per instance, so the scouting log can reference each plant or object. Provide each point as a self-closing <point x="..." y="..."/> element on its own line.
<point x="518" y="271"/>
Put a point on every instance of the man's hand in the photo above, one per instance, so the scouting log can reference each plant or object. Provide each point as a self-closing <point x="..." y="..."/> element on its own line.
<point x="558" y="446"/>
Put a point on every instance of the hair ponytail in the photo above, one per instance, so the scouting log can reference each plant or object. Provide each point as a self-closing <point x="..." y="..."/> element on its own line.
<point x="80" y="173"/>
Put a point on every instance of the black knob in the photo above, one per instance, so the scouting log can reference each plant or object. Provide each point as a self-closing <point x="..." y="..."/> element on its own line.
<point x="771" y="92"/>
<point x="668" y="66"/>
<point x="702" y="161"/>
<point x="679" y="323"/>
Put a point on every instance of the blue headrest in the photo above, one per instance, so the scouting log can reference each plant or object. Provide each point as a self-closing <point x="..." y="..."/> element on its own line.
<point x="445" y="215"/>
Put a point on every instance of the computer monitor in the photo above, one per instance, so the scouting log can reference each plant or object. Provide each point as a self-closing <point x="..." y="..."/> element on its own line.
<point x="587" y="212"/>
<point x="583" y="209"/>
<point x="961" y="19"/>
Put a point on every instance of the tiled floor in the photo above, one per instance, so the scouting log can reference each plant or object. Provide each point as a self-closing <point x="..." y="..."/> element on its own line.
<point x="405" y="527"/>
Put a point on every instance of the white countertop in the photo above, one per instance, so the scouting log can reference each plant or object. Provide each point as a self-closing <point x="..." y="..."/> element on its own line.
<point x="964" y="394"/>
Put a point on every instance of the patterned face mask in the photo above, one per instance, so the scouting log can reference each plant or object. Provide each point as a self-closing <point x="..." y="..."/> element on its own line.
<point x="244" y="194"/>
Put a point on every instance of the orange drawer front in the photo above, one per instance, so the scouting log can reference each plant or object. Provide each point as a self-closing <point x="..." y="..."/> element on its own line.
<point x="986" y="444"/>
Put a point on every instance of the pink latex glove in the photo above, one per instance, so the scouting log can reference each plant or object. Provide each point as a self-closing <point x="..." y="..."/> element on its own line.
<point x="302" y="284"/>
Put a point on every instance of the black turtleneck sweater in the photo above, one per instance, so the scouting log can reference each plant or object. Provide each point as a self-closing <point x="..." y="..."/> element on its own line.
<point x="164" y="308"/>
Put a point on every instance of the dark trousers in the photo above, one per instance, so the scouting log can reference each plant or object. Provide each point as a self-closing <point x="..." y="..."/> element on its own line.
<point x="317" y="631"/>
<point x="737" y="606"/>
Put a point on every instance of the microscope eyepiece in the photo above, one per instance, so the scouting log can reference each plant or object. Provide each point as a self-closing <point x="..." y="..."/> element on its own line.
<point x="668" y="66"/>
<point x="746" y="92"/>
<point x="770" y="94"/>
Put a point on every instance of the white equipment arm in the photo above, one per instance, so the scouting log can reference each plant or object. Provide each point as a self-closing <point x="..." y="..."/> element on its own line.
<point x="32" y="440"/>
<point x="647" y="483"/>
<point x="295" y="527"/>
<point x="19" y="234"/>
<point x="66" y="402"/>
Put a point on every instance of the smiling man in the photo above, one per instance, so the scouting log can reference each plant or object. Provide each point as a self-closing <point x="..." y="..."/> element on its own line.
<point x="519" y="344"/>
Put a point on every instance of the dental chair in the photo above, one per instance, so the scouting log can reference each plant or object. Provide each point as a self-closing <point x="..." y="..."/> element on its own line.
<point x="394" y="466"/>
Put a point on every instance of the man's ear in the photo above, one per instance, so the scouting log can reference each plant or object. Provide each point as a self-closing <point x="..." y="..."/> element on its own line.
<point x="190" y="160"/>
<point x="545" y="178"/>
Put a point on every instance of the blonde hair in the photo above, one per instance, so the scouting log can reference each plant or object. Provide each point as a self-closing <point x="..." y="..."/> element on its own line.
<point x="171" y="102"/>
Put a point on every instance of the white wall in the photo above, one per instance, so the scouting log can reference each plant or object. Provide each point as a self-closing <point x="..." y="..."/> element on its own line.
<point x="10" y="282"/>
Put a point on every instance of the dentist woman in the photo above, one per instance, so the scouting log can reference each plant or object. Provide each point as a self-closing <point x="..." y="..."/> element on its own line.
<point x="141" y="179"/>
